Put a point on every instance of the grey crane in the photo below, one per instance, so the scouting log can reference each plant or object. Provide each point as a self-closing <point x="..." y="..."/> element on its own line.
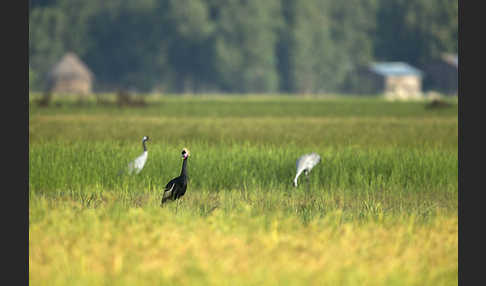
<point x="137" y="164"/>
<point x="305" y="163"/>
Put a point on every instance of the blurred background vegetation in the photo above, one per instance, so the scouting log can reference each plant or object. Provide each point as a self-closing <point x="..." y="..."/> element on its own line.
<point x="272" y="46"/>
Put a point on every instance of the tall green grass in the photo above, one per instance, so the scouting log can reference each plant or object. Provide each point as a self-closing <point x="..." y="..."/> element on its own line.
<point x="77" y="165"/>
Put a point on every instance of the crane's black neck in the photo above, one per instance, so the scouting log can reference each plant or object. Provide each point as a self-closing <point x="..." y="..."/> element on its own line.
<point x="183" y="171"/>
<point x="144" y="147"/>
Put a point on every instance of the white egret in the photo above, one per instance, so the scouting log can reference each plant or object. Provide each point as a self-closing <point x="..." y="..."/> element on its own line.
<point x="137" y="164"/>
<point x="305" y="163"/>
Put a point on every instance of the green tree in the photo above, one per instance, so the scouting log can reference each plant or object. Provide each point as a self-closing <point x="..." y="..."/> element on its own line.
<point x="314" y="56"/>
<point x="322" y="42"/>
<point x="46" y="43"/>
<point x="244" y="43"/>
<point x="353" y="25"/>
<point x="416" y="31"/>
<point x="189" y="36"/>
<point x="238" y="46"/>
<point x="127" y="49"/>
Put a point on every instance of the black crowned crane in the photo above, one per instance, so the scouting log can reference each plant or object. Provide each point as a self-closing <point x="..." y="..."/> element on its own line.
<point x="176" y="187"/>
<point x="305" y="163"/>
<point x="137" y="164"/>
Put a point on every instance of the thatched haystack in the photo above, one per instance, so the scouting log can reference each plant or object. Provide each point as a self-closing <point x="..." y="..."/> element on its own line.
<point x="70" y="75"/>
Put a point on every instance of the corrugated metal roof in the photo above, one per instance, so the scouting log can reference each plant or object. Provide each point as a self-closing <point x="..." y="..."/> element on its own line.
<point x="394" y="68"/>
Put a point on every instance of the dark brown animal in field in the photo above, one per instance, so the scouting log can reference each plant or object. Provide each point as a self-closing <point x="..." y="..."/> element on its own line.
<point x="438" y="103"/>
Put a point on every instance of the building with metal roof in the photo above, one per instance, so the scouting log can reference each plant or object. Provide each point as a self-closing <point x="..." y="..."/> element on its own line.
<point x="391" y="78"/>
<point x="394" y="69"/>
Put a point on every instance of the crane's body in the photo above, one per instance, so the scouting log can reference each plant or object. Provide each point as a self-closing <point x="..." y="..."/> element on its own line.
<point x="177" y="187"/>
<point x="305" y="163"/>
<point x="137" y="164"/>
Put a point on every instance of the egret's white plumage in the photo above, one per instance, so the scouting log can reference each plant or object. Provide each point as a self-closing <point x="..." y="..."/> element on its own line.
<point x="137" y="164"/>
<point x="305" y="163"/>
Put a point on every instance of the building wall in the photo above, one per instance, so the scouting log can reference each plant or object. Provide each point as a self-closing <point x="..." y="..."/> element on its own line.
<point x="403" y="84"/>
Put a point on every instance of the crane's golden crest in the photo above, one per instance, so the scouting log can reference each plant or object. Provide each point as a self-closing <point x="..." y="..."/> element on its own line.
<point x="185" y="150"/>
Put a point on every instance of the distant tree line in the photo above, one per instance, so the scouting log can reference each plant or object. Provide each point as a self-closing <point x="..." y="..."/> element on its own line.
<point x="294" y="46"/>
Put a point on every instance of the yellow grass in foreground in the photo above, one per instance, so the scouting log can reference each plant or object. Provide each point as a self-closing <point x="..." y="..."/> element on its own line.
<point x="72" y="245"/>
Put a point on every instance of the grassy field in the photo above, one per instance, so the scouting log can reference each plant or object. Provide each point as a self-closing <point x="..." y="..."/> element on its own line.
<point x="380" y="208"/>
